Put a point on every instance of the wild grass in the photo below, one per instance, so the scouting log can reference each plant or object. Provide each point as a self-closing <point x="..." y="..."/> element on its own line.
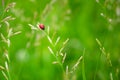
<point x="5" y="38"/>
<point x="68" y="21"/>
<point x="58" y="53"/>
<point x="107" y="60"/>
<point x="83" y="66"/>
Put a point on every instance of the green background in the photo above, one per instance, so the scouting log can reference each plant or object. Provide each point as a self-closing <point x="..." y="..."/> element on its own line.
<point x="78" y="20"/>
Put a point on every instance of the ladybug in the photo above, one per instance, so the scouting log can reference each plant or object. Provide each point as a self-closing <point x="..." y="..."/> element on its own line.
<point x="41" y="26"/>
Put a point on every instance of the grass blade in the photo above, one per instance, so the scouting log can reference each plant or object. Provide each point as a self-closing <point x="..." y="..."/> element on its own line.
<point x="83" y="67"/>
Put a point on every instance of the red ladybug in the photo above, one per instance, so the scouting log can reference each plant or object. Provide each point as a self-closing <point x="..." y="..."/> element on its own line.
<point x="41" y="26"/>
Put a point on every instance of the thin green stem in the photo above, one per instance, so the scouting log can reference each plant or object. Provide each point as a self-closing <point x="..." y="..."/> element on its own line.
<point x="97" y="66"/>
<point x="61" y="65"/>
<point x="59" y="62"/>
<point x="2" y="15"/>
<point x="83" y="67"/>
<point x="9" y="75"/>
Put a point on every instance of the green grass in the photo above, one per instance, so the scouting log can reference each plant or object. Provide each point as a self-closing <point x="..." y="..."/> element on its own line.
<point x="83" y="66"/>
<point x="80" y="40"/>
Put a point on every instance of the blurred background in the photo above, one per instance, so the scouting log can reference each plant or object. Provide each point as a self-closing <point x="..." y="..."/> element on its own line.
<point x="79" y="20"/>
